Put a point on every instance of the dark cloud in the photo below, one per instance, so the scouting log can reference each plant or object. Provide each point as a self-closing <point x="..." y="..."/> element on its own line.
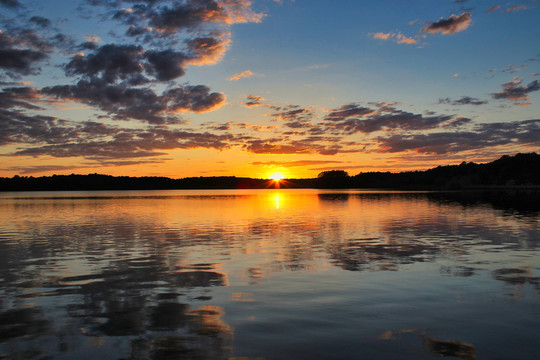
<point x="10" y="3"/>
<point x="347" y="111"/>
<point x="451" y="25"/>
<point x="118" y="78"/>
<point x="38" y="135"/>
<point x="88" y="45"/>
<point x="148" y="17"/>
<point x="291" y="113"/>
<point x="114" y="63"/>
<point x="19" y="97"/>
<point x="129" y="143"/>
<point x="21" y="51"/>
<point x="111" y="62"/>
<point x="457" y="121"/>
<point x="40" y="21"/>
<point x="166" y="65"/>
<point x="252" y="100"/>
<point x="483" y="136"/>
<point x="308" y="145"/>
<point x="193" y="14"/>
<point x="124" y="102"/>
<point x="364" y="120"/>
<point x="513" y="91"/>
<point x="221" y="127"/>
<point x="20" y="128"/>
<point x="464" y="100"/>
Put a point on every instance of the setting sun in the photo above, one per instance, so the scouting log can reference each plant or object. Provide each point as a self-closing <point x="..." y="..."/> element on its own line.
<point x="277" y="177"/>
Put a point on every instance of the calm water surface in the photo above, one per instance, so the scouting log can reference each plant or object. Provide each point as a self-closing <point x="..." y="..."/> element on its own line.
<point x="270" y="274"/>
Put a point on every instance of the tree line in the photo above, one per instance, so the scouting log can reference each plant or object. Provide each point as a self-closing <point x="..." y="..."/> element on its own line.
<point x="521" y="170"/>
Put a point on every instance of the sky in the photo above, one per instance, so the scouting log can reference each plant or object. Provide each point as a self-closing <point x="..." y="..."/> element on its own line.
<point x="254" y="88"/>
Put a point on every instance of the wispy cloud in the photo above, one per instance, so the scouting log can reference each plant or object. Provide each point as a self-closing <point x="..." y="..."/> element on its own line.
<point x="493" y="8"/>
<point x="240" y="75"/>
<point x="464" y="100"/>
<point x="295" y="163"/>
<point x="396" y="37"/>
<point x="515" y="8"/>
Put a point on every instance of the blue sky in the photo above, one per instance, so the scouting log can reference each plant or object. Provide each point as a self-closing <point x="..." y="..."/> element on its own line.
<point x="250" y="88"/>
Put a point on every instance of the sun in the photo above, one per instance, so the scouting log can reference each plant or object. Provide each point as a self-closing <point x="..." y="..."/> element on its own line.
<point x="277" y="177"/>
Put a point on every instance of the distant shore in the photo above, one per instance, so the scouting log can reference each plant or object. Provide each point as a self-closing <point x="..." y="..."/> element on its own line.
<point x="519" y="172"/>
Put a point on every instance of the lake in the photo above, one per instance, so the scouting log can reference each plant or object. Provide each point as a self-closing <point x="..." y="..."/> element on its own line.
<point x="269" y="274"/>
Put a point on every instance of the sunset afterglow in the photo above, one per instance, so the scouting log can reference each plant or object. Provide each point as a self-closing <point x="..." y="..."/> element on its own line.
<point x="244" y="88"/>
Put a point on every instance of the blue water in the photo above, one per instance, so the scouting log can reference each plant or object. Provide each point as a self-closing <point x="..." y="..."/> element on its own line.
<point x="269" y="274"/>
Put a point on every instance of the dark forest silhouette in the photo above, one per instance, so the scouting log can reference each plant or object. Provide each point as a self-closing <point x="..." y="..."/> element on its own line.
<point x="521" y="170"/>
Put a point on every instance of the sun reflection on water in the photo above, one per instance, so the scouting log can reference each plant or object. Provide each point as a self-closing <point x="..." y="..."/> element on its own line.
<point x="277" y="198"/>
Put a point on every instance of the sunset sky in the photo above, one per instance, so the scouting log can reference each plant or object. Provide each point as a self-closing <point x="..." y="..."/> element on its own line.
<point x="252" y="88"/>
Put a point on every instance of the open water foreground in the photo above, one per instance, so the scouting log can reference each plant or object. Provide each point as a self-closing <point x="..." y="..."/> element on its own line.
<point x="269" y="274"/>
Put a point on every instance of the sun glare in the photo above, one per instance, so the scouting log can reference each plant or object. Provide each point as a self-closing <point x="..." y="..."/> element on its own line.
<point x="276" y="177"/>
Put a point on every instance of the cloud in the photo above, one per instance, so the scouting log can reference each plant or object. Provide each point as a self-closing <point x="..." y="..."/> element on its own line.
<point x="514" y="92"/>
<point x="19" y="97"/>
<point x="21" y="51"/>
<point x="110" y="62"/>
<point x="91" y="165"/>
<point x="182" y="16"/>
<point x="252" y="100"/>
<point x="40" y="21"/>
<point x="451" y="25"/>
<point x="280" y="146"/>
<point x="493" y="8"/>
<point x="207" y="50"/>
<point x="294" y="163"/>
<point x="98" y="141"/>
<point x="124" y="102"/>
<point x="396" y="37"/>
<point x="347" y="111"/>
<point x="381" y="36"/>
<point x="10" y="3"/>
<point x="255" y="127"/>
<point x="515" y="8"/>
<point x="464" y="100"/>
<point x="483" y="136"/>
<point x="130" y="144"/>
<point x="294" y="116"/>
<point x="352" y="118"/>
<point x="405" y="121"/>
<point x="240" y="75"/>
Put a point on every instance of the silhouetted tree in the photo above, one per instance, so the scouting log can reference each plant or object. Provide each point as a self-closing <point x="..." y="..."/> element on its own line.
<point x="333" y="179"/>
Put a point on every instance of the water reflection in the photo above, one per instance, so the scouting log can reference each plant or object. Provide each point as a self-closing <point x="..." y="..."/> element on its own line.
<point x="218" y="275"/>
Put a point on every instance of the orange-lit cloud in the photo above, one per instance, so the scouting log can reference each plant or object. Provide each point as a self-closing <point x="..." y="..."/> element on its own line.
<point x="396" y="37"/>
<point x="294" y="163"/>
<point x="240" y="75"/>
<point x="253" y="100"/>
<point x="381" y="36"/>
<point x="207" y="50"/>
